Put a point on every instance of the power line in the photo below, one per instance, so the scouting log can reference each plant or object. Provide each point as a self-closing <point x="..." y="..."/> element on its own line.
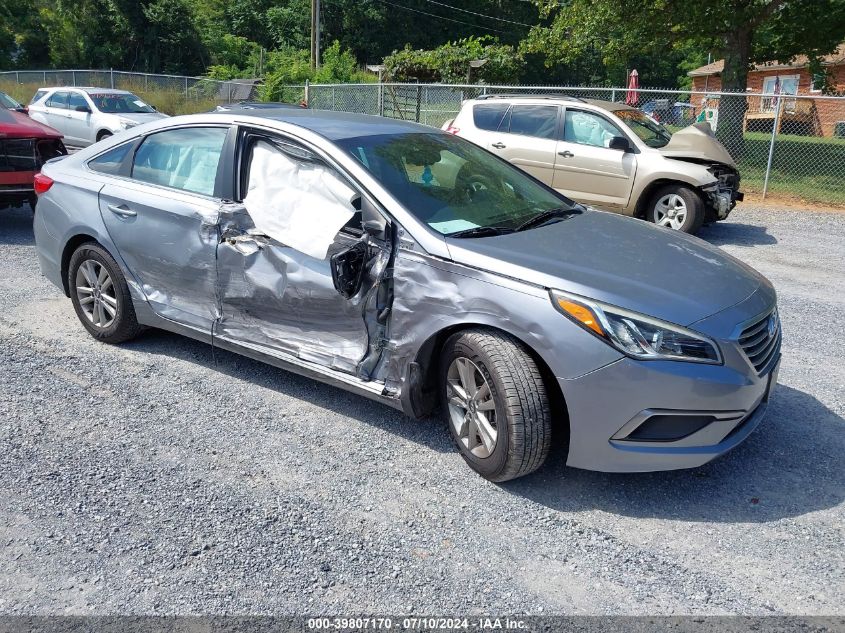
<point x="489" y="17"/>
<point x="442" y="17"/>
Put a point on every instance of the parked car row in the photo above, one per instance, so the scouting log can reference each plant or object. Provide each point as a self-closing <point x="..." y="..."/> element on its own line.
<point x="413" y="267"/>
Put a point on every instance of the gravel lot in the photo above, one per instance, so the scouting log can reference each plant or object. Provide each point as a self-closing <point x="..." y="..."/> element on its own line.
<point x="156" y="478"/>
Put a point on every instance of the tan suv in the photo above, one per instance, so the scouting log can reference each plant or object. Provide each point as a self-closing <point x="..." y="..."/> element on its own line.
<point x="608" y="155"/>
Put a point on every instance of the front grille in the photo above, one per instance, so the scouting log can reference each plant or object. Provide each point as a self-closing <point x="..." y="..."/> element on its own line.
<point x="761" y="340"/>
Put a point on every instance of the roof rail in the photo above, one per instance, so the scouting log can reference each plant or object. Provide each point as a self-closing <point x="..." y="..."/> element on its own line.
<point x="559" y="97"/>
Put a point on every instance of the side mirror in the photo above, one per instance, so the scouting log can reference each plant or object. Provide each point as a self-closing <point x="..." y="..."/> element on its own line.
<point x="620" y="143"/>
<point x="83" y="108"/>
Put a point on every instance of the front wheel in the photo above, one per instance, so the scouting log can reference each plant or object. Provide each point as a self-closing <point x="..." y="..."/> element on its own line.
<point x="677" y="207"/>
<point x="495" y="404"/>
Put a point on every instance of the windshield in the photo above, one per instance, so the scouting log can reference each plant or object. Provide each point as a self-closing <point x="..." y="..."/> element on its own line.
<point x="116" y="103"/>
<point x="451" y="184"/>
<point x="650" y="131"/>
<point x="7" y="102"/>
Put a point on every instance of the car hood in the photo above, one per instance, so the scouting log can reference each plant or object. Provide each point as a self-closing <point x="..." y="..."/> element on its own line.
<point x="144" y="117"/>
<point x="619" y="260"/>
<point x="17" y="125"/>
<point x="698" y="143"/>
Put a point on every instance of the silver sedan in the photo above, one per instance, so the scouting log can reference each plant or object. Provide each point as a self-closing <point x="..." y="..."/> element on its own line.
<point x="417" y="269"/>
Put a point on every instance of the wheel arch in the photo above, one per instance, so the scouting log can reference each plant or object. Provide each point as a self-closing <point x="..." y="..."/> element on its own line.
<point x="67" y="252"/>
<point x="648" y="191"/>
<point x="422" y="383"/>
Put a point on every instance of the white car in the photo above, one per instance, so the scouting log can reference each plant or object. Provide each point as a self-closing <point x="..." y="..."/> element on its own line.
<point x="88" y="115"/>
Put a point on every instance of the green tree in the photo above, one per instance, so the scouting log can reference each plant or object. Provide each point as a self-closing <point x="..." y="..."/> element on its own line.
<point x="740" y="31"/>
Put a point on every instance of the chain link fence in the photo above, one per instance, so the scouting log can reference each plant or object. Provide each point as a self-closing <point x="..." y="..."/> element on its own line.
<point x="173" y="94"/>
<point x="790" y="146"/>
<point x="785" y="145"/>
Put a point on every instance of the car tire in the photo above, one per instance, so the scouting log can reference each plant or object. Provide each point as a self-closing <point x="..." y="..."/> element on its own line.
<point x="510" y="396"/>
<point x="103" y="135"/>
<point x="100" y="295"/>
<point x="676" y="207"/>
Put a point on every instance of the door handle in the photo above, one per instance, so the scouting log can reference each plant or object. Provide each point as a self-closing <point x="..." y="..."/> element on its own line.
<point x="499" y="145"/>
<point x="122" y="210"/>
<point x="566" y="154"/>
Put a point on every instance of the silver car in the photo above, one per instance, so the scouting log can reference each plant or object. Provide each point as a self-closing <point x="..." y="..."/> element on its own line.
<point x="87" y="115"/>
<point x="415" y="268"/>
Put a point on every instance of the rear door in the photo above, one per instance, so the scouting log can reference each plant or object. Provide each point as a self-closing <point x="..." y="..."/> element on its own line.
<point x="78" y="122"/>
<point x="161" y="212"/>
<point x="55" y="112"/>
<point x="527" y="137"/>
<point x="587" y="170"/>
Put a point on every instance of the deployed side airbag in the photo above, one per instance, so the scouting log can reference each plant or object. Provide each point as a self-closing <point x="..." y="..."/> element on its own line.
<point x="300" y="204"/>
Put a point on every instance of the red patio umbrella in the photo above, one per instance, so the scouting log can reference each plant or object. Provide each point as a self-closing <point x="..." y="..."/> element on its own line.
<point x="632" y="96"/>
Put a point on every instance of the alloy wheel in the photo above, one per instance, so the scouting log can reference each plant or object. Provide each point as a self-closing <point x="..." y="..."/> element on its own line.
<point x="472" y="410"/>
<point x="96" y="293"/>
<point x="671" y="211"/>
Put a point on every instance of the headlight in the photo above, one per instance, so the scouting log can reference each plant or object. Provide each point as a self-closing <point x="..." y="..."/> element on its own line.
<point x="634" y="334"/>
<point x="127" y="123"/>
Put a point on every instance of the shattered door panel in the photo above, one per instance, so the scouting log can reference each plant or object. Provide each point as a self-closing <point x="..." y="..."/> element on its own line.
<point x="285" y="301"/>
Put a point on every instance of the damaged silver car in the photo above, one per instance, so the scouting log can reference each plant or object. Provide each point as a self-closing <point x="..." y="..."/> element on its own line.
<point x="417" y="269"/>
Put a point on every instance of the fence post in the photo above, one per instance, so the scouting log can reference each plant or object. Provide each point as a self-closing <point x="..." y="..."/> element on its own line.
<point x="775" y="124"/>
<point x="381" y="99"/>
<point x="45" y="76"/>
<point x="307" y="93"/>
<point x="186" y="87"/>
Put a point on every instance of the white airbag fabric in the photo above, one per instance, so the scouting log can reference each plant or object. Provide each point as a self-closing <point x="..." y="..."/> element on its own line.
<point x="299" y="204"/>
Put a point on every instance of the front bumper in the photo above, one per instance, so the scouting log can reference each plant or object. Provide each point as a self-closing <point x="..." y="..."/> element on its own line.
<point x="608" y="406"/>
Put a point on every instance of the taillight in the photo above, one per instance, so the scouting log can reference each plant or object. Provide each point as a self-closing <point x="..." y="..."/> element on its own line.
<point x="452" y="129"/>
<point x="41" y="183"/>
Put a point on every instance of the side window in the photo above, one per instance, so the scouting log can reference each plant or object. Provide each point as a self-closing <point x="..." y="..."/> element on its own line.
<point x="38" y="94"/>
<point x="75" y="100"/>
<point x="488" y="116"/>
<point x="183" y="159"/>
<point x="587" y="128"/>
<point x="534" y="120"/>
<point x="111" y="161"/>
<point x="58" y="100"/>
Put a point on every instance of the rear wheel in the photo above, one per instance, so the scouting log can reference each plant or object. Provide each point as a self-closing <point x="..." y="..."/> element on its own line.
<point x="677" y="207"/>
<point x="100" y="295"/>
<point x="495" y="404"/>
<point x="103" y="134"/>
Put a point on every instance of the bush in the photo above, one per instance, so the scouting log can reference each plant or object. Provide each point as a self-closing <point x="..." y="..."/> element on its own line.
<point x="450" y="63"/>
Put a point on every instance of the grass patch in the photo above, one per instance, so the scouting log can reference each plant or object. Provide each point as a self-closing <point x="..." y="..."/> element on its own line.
<point x="170" y="102"/>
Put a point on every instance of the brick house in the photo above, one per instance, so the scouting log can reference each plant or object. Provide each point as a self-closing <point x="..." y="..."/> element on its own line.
<point x="803" y="116"/>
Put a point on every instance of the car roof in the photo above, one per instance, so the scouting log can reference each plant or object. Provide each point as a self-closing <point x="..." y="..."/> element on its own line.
<point x="610" y="106"/>
<point x="88" y="89"/>
<point x="337" y="126"/>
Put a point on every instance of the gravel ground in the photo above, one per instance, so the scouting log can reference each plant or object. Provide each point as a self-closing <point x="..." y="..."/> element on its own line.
<point x="154" y="478"/>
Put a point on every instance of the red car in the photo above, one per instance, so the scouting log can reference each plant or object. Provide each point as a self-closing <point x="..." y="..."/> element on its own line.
<point x="25" y="145"/>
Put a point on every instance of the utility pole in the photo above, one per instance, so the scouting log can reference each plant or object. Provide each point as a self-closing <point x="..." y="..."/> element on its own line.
<point x="315" y="34"/>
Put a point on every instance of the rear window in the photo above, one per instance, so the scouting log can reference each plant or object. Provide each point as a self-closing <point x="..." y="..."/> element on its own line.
<point x="488" y="116"/>
<point x="38" y="94"/>
<point x="111" y="161"/>
<point x="58" y="100"/>
<point x="534" y="120"/>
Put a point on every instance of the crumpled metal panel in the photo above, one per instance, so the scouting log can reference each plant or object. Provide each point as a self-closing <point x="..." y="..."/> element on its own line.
<point x="170" y="248"/>
<point x="431" y="294"/>
<point x="284" y="301"/>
